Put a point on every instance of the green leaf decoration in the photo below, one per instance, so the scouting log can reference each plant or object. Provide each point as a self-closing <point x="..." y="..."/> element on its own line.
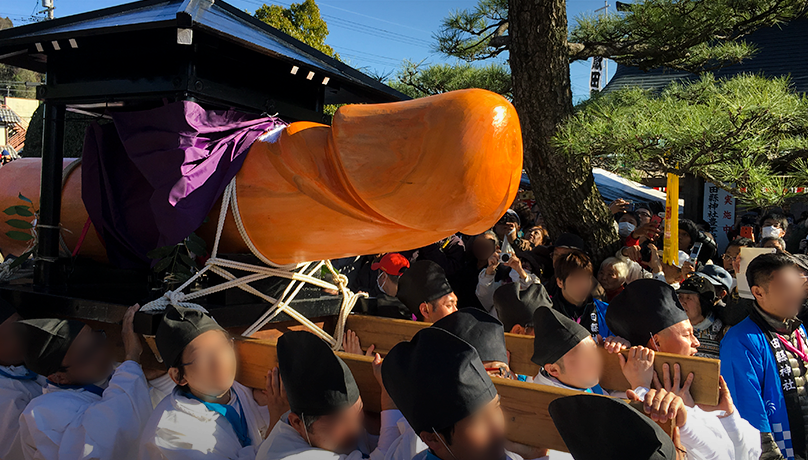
<point x="24" y="211"/>
<point x="163" y="264"/>
<point x="17" y="223"/>
<point x="160" y="252"/>
<point x="188" y="260"/>
<point x="11" y="211"/>
<point x="21" y="259"/>
<point x="23" y="198"/>
<point x="198" y="241"/>
<point x="19" y="236"/>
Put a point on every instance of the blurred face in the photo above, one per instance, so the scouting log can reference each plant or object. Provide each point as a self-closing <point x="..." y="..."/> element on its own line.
<point x="338" y="433"/>
<point x="505" y="226"/>
<point x="784" y="294"/>
<point x="435" y="310"/>
<point x="480" y="436"/>
<point x="483" y="247"/>
<point x="776" y="224"/>
<point x="12" y="351"/>
<point x="560" y="252"/>
<point x="644" y="215"/>
<point x="684" y="240"/>
<point x="730" y="255"/>
<point x="581" y="367"/>
<point x="209" y="364"/>
<point x="628" y="218"/>
<point x="609" y="278"/>
<point x="535" y="236"/>
<point x="774" y="244"/>
<point x="677" y="339"/>
<point x="577" y="287"/>
<point x="88" y="360"/>
<point x="692" y="306"/>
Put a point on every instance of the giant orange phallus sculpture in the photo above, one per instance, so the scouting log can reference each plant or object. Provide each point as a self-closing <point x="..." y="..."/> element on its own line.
<point x="382" y="177"/>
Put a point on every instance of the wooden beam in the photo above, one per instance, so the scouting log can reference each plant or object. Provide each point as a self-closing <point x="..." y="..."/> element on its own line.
<point x="524" y="404"/>
<point x="385" y="333"/>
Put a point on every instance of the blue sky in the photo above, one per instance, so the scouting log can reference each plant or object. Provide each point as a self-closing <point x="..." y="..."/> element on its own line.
<point x="372" y="34"/>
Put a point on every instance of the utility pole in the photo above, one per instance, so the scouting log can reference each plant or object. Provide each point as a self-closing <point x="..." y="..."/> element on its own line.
<point x="48" y="5"/>
<point x="600" y="69"/>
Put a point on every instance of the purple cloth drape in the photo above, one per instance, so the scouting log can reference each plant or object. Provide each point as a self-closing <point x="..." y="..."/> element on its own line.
<point x="150" y="178"/>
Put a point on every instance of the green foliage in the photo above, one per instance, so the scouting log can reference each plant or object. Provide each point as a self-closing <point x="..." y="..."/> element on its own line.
<point x="417" y="80"/>
<point x="75" y="129"/>
<point x="748" y="134"/>
<point x="16" y="79"/>
<point x="692" y="35"/>
<point x="301" y="20"/>
<point x="176" y="263"/>
<point x="22" y="211"/>
<point x="467" y="34"/>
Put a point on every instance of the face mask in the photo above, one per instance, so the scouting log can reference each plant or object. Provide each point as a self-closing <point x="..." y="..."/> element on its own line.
<point x="624" y="229"/>
<point x="770" y="231"/>
<point x="381" y="285"/>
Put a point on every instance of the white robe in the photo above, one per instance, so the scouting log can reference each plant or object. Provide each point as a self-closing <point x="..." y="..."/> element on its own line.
<point x="285" y="443"/>
<point x="14" y="396"/>
<point x="160" y="387"/>
<point x="183" y="428"/>
<point x="78" y="424"/>
<point x="707" y="437"/>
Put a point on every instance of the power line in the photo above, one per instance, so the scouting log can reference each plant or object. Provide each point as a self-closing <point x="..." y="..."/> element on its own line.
<point x="361" y="28"/>
<point x="371" y="17"/>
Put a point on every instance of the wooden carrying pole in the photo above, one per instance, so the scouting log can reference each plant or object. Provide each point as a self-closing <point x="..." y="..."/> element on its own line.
<point x="386" y="332"/>
<point x="524" y="404"/>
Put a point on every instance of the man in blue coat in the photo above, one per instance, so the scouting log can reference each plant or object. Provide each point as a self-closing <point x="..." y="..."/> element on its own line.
<point x="763" y="358"/>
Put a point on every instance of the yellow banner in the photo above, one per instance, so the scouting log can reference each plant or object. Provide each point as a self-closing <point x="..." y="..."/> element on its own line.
<point x="670" y="254"/>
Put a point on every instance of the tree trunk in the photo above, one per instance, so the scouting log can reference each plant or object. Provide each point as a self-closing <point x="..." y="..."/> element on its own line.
<point x="564" y="187"/>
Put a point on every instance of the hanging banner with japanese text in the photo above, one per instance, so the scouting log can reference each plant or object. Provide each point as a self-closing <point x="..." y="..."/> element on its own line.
<point x="670" y="254"/>
<point x="719" y="212"/>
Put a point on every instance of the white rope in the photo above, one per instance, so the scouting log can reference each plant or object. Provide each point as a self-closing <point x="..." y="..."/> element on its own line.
<point x="298" y="274"/>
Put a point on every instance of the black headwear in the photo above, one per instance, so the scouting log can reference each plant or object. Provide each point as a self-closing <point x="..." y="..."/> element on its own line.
<point x="180" y="326"/>
<point x="317" y="381"/>
<point x="424" y="281"/>
<point x="6" y="311"/>
<point x="703" y="288"/>
<point x="555" y="335"/>
<point x="644" y="308"/>
<point x="484" y="332"/>
<point x="569" y="240"/>
<point x="698" y="285"/>
<point x="595" y="427"/>
<point x="47" y="342"/>
<point x="436" y="379"/>
<point x="515" y="306"/>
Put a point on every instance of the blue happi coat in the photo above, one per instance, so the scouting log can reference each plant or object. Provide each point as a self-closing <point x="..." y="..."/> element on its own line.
<point x="750" y="370"/>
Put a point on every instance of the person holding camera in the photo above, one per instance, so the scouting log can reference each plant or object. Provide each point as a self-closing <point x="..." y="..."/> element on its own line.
<point x="491" y="278"/>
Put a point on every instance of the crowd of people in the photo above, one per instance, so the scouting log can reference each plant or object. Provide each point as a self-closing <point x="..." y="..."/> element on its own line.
<point x="62" y="396"/>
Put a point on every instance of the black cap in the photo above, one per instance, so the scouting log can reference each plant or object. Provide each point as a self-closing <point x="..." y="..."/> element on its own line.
<point x="569" y="240"/>
<point x="645" y="307"/>
<point x="424" y="281"/>
<point x="596" y="427"/>
<point x="515" y="306"/>
<point x="436" y="379"/>
<point x="555" y="335"/>
<point x="179" y="327"/>
<point x="6" y="311"/>
<point x="47" y="341"/>
<point x="317" y="381"/>
<point x="484" y="332"/>
<point x="700" y="286"/>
